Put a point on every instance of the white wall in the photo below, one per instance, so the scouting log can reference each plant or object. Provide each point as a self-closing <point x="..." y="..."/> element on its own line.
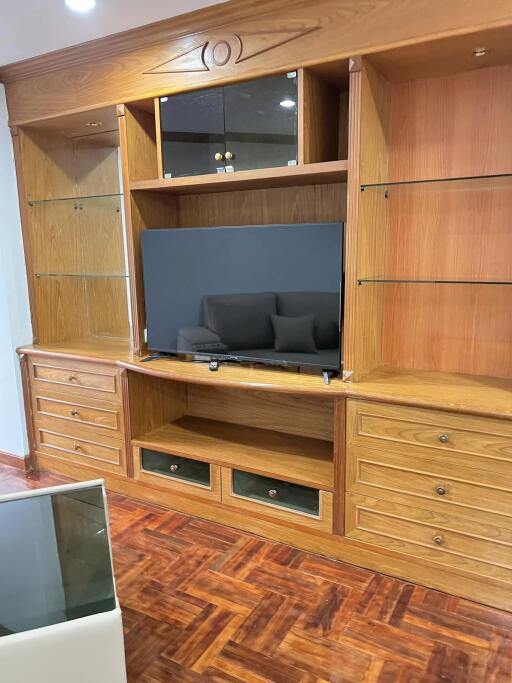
<point x="15" y="328"/>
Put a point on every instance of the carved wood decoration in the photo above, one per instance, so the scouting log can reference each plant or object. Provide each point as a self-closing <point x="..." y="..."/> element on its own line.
<point x="222" y="49"/>
<point x="237" y="40"/>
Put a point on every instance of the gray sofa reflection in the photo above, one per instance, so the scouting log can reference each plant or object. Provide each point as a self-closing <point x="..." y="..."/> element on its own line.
<point x="299" y="327"/>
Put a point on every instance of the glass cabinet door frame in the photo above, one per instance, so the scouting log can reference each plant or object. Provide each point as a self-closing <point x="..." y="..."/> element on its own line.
<point x="216" y="155"/>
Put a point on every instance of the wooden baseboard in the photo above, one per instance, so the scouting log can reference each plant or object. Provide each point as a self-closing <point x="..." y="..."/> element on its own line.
<point x="21" y="463"/>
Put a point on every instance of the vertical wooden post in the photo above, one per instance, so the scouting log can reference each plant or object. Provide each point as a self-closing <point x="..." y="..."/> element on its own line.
<point x="366" y="228"/>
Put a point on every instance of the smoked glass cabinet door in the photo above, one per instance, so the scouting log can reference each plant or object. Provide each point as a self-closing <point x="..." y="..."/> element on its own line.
<point x="261" y="123"/>
<point x="192" y="127"/>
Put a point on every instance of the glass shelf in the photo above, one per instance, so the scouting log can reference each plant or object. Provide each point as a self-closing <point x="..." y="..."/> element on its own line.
<point x="364" y="281"/>
<point x="502" y="181"/>
<point x="36" y="202"/>
<point x="87" y="275"/>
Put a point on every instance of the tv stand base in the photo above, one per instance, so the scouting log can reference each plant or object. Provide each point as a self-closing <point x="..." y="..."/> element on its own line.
<point x="328" y="375"/>
<point x="157" y="356"/>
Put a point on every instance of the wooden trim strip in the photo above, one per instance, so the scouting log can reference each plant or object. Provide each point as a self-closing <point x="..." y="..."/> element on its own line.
<point x="20" y="463"/>
<point x="25" y="229"/>
<point x="338" y="521"/>
<point x="30" y="459"/>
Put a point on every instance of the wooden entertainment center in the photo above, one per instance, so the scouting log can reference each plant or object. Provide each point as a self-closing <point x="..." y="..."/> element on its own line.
<point x="402" y="465"/>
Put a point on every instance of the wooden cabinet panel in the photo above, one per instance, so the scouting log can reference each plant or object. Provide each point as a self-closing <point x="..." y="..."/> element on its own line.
<point x="441" y="537"/>
<point x="98" y="416"/>
<point x="70" y="377"/>
<point x="323" y="522"/>
<point x="213" y="492"/>
<point x="389" y="475"/>
<point x="463" y="439"/>
<point x="108" y="455"/>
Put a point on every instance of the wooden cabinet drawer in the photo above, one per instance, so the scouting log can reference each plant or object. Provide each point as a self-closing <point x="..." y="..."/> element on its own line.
<point x="75" y="378"/>
<point x="102" y="418"/>
<point x="107" y="455"/>
<point x="176" y="473"/>
<point x="393" y="476"/>
<point x="439" y="536"/>
<point x="475" y="441"/>
<point x="278" y="499"/>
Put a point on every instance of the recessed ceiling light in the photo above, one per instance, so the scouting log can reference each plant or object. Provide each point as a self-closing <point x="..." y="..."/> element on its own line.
<point x="287" y="103"/>
<point x="94" y="124"/>
<point x="81" y="5"/>
<point x="480" y="51"/>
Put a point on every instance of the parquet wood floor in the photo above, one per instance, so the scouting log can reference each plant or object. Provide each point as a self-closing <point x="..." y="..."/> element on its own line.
<point x="203" y="603"/>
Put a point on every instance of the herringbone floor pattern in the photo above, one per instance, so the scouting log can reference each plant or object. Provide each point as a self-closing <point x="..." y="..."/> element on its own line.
<point x="203" y="603"/>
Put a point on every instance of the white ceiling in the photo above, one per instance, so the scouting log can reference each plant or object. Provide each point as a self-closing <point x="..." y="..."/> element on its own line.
<point x="33" y="27"/>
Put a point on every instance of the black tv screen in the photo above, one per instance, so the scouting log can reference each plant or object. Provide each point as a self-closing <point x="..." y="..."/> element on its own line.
<point x="255" y="293"/>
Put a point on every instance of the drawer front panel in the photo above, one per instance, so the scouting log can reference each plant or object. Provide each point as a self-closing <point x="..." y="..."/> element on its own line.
<point x="443" y="538"/>
<point x="109" y="457"/>
<point x="177" y="474"/>
<point x="106" y="418"/>
<point x="279" y="499"/>
<point x="477" y="442"/>
<point x="276" y="492"/>
<point x="387" y="475"/>
<point x="176" y="467"/>
<point x="90" y="379"/>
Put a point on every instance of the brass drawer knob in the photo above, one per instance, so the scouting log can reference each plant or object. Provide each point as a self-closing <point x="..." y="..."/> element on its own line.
<point x="440" y="490"/>
<point x="219" y="156"/>
<point x="174" y="467"/>
<point x="74" y="413"/>
<point x="438" y="540"/>
<point x="229" y="156"/>
<point x="443" y="438"/>
<point x="72" y="378"/>
<point x="272" y="493"/>
<point x="77" y="447"/>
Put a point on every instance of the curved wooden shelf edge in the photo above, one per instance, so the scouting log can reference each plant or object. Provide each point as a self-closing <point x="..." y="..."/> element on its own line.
<point x="238" y="378"/>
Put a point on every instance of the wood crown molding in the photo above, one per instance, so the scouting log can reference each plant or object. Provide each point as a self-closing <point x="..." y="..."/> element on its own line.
<point x="219" y="16"/>
<point x="213" y="17"/>
<point x="239" y="40"/>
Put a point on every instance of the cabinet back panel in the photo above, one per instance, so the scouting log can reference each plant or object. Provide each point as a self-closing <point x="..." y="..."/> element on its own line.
<point x="450" y="234"/>
<point x="449" y="328"/>
<point x="107" y="306"/>
<point x="452" y="126"/>
<point x="308" y="204"/>
<point x="97" y="164"/>
<point x="61" y="312"/>
<point x="292" y="415"/>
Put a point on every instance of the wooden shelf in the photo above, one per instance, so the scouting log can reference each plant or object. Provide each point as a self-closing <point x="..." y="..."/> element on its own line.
<point x="473" y="394"/>
<point x="296" y="459"/>
<point x="307" y="174"/>
<point x="236" y="376"/>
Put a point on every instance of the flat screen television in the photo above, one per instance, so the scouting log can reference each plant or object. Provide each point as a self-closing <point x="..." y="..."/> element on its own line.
<point x="257" y="293"/>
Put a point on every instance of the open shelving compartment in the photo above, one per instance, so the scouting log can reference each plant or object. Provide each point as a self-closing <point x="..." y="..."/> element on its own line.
<point x="72" y="202"/>
<point x="313" y="191"/>
<point x="432" y="275"/>
<point x="285" y="437"/>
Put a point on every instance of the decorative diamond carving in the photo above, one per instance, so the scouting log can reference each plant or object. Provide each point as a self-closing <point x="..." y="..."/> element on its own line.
<point x="216" y="51"/>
